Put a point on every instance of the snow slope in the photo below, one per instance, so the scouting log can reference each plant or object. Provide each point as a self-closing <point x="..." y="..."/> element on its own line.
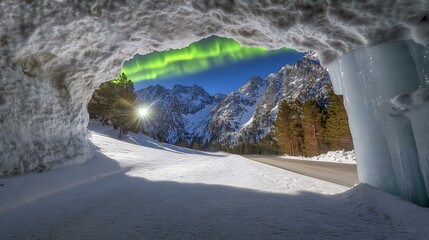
<point x="158" y="190"/>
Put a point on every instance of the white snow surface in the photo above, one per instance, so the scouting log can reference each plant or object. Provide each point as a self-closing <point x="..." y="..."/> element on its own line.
<point x="339" y="156"/>
<point x="142" y="189"/>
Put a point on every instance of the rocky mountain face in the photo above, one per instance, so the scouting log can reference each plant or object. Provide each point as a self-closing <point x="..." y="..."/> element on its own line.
<point x="177" y="114"/>
<point x="189" y="114"/>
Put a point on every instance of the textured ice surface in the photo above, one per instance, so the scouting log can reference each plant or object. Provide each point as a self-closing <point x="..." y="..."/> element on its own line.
<point x="43" y="125"/>
<point x="391" y="140"/>
<point x="53" y="54"/>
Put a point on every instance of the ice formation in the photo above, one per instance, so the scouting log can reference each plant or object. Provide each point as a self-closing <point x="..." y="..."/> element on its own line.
<point x="386" y="97"/>
<point x="53" y="54"/>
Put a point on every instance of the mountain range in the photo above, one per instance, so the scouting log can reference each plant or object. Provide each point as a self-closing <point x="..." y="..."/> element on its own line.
<point x="189" y="115"/>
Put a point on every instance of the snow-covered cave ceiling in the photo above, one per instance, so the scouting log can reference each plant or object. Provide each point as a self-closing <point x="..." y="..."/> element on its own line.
<point x="93" y="38"/>
<point x="53" y="54"/>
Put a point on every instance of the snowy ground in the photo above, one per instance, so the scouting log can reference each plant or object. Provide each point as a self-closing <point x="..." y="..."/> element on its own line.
<point x="142" y="189"/>
<point x="339" y="156"/>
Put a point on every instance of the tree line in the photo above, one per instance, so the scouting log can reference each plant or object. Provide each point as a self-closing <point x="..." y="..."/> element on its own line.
<point x="303" y="129"/>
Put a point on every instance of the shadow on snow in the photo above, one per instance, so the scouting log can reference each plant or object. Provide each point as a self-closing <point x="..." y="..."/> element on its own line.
<point x="124" y="207"/>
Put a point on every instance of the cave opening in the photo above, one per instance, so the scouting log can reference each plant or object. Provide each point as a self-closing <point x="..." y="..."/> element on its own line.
<point x="218" y="95"/>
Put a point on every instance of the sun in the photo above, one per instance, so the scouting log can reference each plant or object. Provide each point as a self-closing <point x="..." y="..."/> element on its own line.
<point x="143" y="112"/>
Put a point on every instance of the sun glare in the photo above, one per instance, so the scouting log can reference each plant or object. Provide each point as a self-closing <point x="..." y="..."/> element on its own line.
<point x="143" y="112"/>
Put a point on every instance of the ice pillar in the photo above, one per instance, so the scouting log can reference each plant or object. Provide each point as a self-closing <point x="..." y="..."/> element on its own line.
<point x="374" y="161"/>
<point x="416" y="107"/>
<point x="387" y="145"/>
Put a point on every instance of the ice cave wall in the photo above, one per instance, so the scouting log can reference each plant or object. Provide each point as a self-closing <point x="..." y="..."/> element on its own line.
<point x="53" y="54"/>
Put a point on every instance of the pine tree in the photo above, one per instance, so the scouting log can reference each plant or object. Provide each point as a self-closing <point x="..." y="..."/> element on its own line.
<point x="114" y="102"/>
<point x="337" y="133"/>
<point x="182" y="143"/>
<point x="295" y="128"/>
<point x="268" y="144"/>
<point x="218" y="147"/>
<point x="123" y="114"/>
<point x="101" y="103"/>
<point x="288" y="128"/>
<point x="312" y="128"/>
<point x="196" y="145"/>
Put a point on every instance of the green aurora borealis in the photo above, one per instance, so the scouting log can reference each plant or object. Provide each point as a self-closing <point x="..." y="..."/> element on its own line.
<point x="199" y="56"/>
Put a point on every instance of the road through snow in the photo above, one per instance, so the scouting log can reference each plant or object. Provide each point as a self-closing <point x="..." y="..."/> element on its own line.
<point x="340" y="173"/>
<point x="170" y="192"/>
